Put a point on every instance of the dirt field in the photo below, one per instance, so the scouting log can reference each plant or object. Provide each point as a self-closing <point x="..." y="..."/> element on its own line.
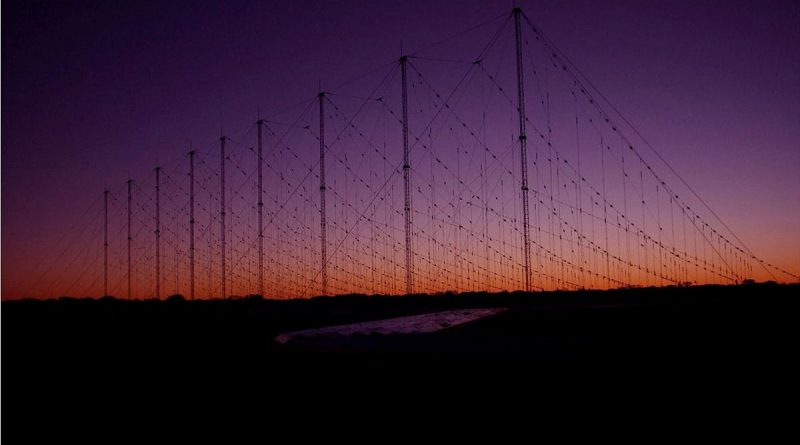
<point x="112" y="351"/>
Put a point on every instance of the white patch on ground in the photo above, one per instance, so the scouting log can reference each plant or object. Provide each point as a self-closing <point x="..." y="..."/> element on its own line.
<point x="415" y="324"/>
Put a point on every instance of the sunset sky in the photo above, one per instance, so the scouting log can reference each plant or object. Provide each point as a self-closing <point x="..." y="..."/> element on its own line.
<point x="94" y="93"/>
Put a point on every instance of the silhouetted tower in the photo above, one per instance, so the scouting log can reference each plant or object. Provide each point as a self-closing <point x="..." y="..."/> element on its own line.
<point x="259" y="123"/>
<point x="222" y="209"/>
<point x="322" y="188"/>
<point x="191" y="224"/>
<point x="105" y="243"/>
<point x="523" y="150"/>
<point x="406" y="179"/>
<point x="158" y="233"/>
<point x="130" y="183"/>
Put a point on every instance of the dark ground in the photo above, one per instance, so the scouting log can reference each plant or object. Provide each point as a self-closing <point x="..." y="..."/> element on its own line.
<point x="112" y="352"/>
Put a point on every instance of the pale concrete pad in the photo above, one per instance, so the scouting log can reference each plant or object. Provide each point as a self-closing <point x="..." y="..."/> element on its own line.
<point x="415" y="324"/>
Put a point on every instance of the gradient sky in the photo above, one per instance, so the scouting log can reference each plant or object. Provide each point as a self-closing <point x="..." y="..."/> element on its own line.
<point x="95" y="91"/>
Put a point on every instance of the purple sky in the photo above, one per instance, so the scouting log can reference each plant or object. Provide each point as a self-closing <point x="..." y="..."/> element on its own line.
<point x="94" y="91"/>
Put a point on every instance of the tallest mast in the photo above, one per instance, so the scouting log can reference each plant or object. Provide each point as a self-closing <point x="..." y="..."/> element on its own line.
<point x="523" y="150"/>
<point x="406" y="178"/>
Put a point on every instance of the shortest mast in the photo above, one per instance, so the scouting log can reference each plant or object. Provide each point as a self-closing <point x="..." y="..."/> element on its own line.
<point x="105" y="243"/>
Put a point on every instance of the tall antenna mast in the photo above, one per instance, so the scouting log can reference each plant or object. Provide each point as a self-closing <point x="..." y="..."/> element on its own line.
<point x="260" y="214"/>
<point x="105" y="243"/>
<point x="523" y="150"/>
<point x="130" y="182"/>
<point x="191" y="224"/>
<point x="322" y="221"/>
<point x="158" y="233"/>
<point x="222" y="208"/>
<point x="406" y="179"/>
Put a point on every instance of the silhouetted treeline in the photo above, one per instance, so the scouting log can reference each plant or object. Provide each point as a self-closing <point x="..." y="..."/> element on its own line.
<point x="177" y="330"/>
